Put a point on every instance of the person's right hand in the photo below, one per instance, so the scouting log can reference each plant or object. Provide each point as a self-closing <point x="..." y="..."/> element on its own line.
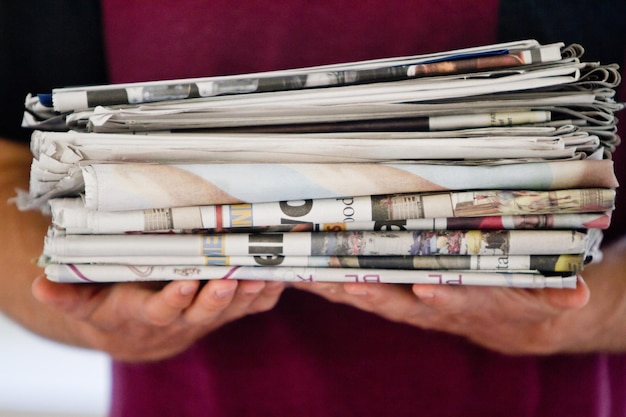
<point x="151" y="321"/>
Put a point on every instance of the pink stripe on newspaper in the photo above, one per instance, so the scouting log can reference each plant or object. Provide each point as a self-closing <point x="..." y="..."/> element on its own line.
<point x="78" y="273"/>
<point x="231" y="271"/>
<point x="218" y="217"/>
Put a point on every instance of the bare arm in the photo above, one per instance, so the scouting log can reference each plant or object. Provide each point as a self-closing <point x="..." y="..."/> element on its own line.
<point x="22" y="241"/>
<point x="130" y="321"/>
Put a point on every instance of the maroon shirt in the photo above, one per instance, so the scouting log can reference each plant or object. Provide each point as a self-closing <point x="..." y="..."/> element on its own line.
<point x="309" y="357"/>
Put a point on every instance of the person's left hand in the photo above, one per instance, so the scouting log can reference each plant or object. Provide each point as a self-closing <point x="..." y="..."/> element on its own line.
<point x="508" y="320"/>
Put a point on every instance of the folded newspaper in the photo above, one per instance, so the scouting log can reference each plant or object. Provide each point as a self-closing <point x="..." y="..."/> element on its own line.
<point x="479" y="166"/>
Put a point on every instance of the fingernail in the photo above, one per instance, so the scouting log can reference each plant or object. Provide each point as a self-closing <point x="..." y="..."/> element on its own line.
<point x="330" y="288"/>
<point x="252" y="288"/>
<point x="423" y="293"/>
<point x="187" y="289"/>
<point x="356" y="289"/>
<point x="225" y="292"/>
<point x="273" y="284"/>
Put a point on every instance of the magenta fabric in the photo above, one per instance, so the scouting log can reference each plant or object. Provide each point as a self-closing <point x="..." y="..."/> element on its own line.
<point x="173" y="39"/>
<point x="308" y="357"/>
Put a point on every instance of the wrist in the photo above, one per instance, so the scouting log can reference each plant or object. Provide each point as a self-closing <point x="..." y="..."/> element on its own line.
<point x="601" y="325"/>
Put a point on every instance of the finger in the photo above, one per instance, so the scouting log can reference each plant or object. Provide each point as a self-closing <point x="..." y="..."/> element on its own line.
<point x="250" y="297"/>
<point x="514" y="302"/>
<point x="464" y="299"/>
<point x="330" y="290"/>
<point x="267" y="297"/>
<point x="167" y="305"/>
<point x="443" y="298"/>
<point x="394" y="302"/>
<point x="99" y="303"/>
<point x="248" y="292"/>
<point x="69" y="298"/>
<point x="569" y="298"/>
<point x="211" y="301"/>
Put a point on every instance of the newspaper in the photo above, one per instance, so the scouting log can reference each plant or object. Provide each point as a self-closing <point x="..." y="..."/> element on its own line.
<point x="215" y="114"/>
<point x="521" y="208"/>
<point x="58" y="156"/>
<point x="480" y="166"/>
<point x="582" y="107"/>
<point x="137" y="186"/>
<point x="207" y="114"/>
<point x="503" y="263"/>
<point x="285" y="150"/>
<point x="73" y="146"/>
<point x="124" y="273"/>
<point x="111" y="187"/>
<point x="363" y="243"/>
<point x="321" y="117"/>
<point x="116" y="120"/>
<point x="459" y="61"/>
<point x="291" y="147"/>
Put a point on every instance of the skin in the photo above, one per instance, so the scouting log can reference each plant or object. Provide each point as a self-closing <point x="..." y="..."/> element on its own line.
<point x="507" y="320"/>
<point x="145" y="322"/>
<point x="130" y="321"/>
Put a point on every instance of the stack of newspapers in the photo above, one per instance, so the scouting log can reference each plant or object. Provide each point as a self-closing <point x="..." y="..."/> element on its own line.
<point x="480" y="166"/>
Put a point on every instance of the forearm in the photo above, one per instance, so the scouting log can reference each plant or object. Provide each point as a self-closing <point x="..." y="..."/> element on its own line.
<point x="131" y="321"/>
<point x="602" y="322"/>
<point x="22" y="236"/>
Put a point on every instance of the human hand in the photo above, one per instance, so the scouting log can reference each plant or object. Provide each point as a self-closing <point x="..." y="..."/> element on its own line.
<point x="130" y="321"/>
<point x="508" y="320"/>
<point x="151" y="321"/>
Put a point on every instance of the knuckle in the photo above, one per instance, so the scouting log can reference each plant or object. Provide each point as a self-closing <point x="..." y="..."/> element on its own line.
<point x="158" y="320"/>
<point x="263" y="305"/>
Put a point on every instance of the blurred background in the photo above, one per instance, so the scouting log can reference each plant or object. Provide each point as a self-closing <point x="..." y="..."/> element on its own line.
<point x="40" y="378"/>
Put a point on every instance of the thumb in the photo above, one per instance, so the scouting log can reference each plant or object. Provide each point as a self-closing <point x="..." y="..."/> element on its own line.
<point x="64" y="297"/>
<point x="569" y="298"/>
